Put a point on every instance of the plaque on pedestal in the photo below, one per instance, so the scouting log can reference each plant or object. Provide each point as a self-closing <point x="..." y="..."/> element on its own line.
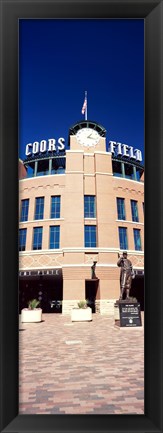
<point x="130" y="315"/>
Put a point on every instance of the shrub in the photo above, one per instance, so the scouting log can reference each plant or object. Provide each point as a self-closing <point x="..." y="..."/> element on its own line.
<point x="82" y="304"/>
<point x="33" y="304"/>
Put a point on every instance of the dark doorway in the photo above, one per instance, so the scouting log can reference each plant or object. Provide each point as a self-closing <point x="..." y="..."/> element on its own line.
<point x="47" y="289"/>
<point x="91" y="293"/>
<point x="137" y="290"/>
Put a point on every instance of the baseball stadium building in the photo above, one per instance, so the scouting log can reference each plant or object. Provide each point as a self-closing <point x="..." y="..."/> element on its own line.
<point x="80" y="202"/>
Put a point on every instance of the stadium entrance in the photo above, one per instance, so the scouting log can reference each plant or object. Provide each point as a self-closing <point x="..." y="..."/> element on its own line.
<point x="45" y="286"/>
<point x="137" y="289"/>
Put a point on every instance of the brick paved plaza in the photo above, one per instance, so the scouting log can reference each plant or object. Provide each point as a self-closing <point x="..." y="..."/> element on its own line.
<point x="80" y="368"/>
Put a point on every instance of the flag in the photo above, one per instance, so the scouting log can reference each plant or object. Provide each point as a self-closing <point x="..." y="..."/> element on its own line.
<point x="84" y="105"/>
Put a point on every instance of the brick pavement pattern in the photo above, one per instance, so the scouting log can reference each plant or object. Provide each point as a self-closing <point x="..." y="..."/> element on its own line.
<point x="80" y="367"/>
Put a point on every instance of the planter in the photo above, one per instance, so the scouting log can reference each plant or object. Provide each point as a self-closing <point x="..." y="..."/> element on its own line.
<point x="81" y="314"/>
<point x="31" y="315"/>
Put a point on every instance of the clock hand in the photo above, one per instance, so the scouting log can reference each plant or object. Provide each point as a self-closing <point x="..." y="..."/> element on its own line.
<point x="90" y="136"/>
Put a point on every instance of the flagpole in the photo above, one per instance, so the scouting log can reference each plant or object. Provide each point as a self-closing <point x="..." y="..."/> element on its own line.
<point x="86" y="105"/>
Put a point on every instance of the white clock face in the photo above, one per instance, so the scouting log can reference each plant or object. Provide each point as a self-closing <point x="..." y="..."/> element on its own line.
<point x="88" y="137"/>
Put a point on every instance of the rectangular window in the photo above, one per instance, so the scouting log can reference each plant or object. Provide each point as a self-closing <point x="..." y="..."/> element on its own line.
<point x="134" y="210"/>
<point x="129" y="172"/>
<point x="137" y="239"/>
<point x="22" y="239"/>
<point x="117" y="168"/>
<point x="55" y="206"/>
<point x="90" y="236"/>
<point x="89" y="206"/>
<point x="121" y="208"/>
<point x="24" y="210"/>
<point x="39" y="208"/>
<point x="54" y="237"/>
<point x="42" y="168"/>
<point x="37" y="238"/>
<point x="138" y="173"/>
<point x="123" y="242"/>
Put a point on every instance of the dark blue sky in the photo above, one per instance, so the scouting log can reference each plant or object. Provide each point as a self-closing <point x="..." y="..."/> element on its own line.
<point x="59" y="59"/>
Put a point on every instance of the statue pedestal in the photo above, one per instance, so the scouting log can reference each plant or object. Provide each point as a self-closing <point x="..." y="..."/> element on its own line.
<point x="92" y="279"/>
<point x="129" y="314"/>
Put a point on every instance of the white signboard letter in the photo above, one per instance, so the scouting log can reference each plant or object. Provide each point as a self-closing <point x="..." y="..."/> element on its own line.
<point x="43" y="146"/>
<point x="138" y="154"/>
<point x="112" y="146"/>
<point x="61" y="142"/>
<point x="51" y="144"/>
<point x="35" y="147"/>
<point x="28" y="152"/>
<point x="125" y="150"/>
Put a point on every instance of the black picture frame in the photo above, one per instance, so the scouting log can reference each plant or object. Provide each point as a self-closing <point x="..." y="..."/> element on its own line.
<point x="152" y="13"/>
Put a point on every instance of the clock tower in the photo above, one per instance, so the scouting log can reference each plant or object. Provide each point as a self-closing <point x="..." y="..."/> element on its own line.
<point x="88" y="136"/>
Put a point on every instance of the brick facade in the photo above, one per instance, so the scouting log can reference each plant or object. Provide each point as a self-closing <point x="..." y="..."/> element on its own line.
<point x="88" y="172"/>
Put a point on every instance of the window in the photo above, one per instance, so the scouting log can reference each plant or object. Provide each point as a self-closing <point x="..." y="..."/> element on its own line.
<point x="89" y="206"/>
<point x="139" y="173"/>
<point x="137" y="239"/>
<point x="37" y="238"/>
<point x="22" y="239"/>
<point x="54" y="236"/>
<point x="134" y="210"/>
<point x="90" y="236"/>
<point x="58" y="165"/>
<point x="24" y="210"/>
<point x="117" y="168"/>
<point x="121" y="208"/>
<point x="123" y="238"/>
<point x="129" y="174"/>
<point x="55" y="207"/>
<point x="39" y="208"/>
<point x="43" y="167"/>
<point x="60" y="170"/>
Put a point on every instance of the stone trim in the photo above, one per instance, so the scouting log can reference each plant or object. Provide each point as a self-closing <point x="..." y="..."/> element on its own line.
<point x="103" y="306"/>
<point x="107" y="306"/>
